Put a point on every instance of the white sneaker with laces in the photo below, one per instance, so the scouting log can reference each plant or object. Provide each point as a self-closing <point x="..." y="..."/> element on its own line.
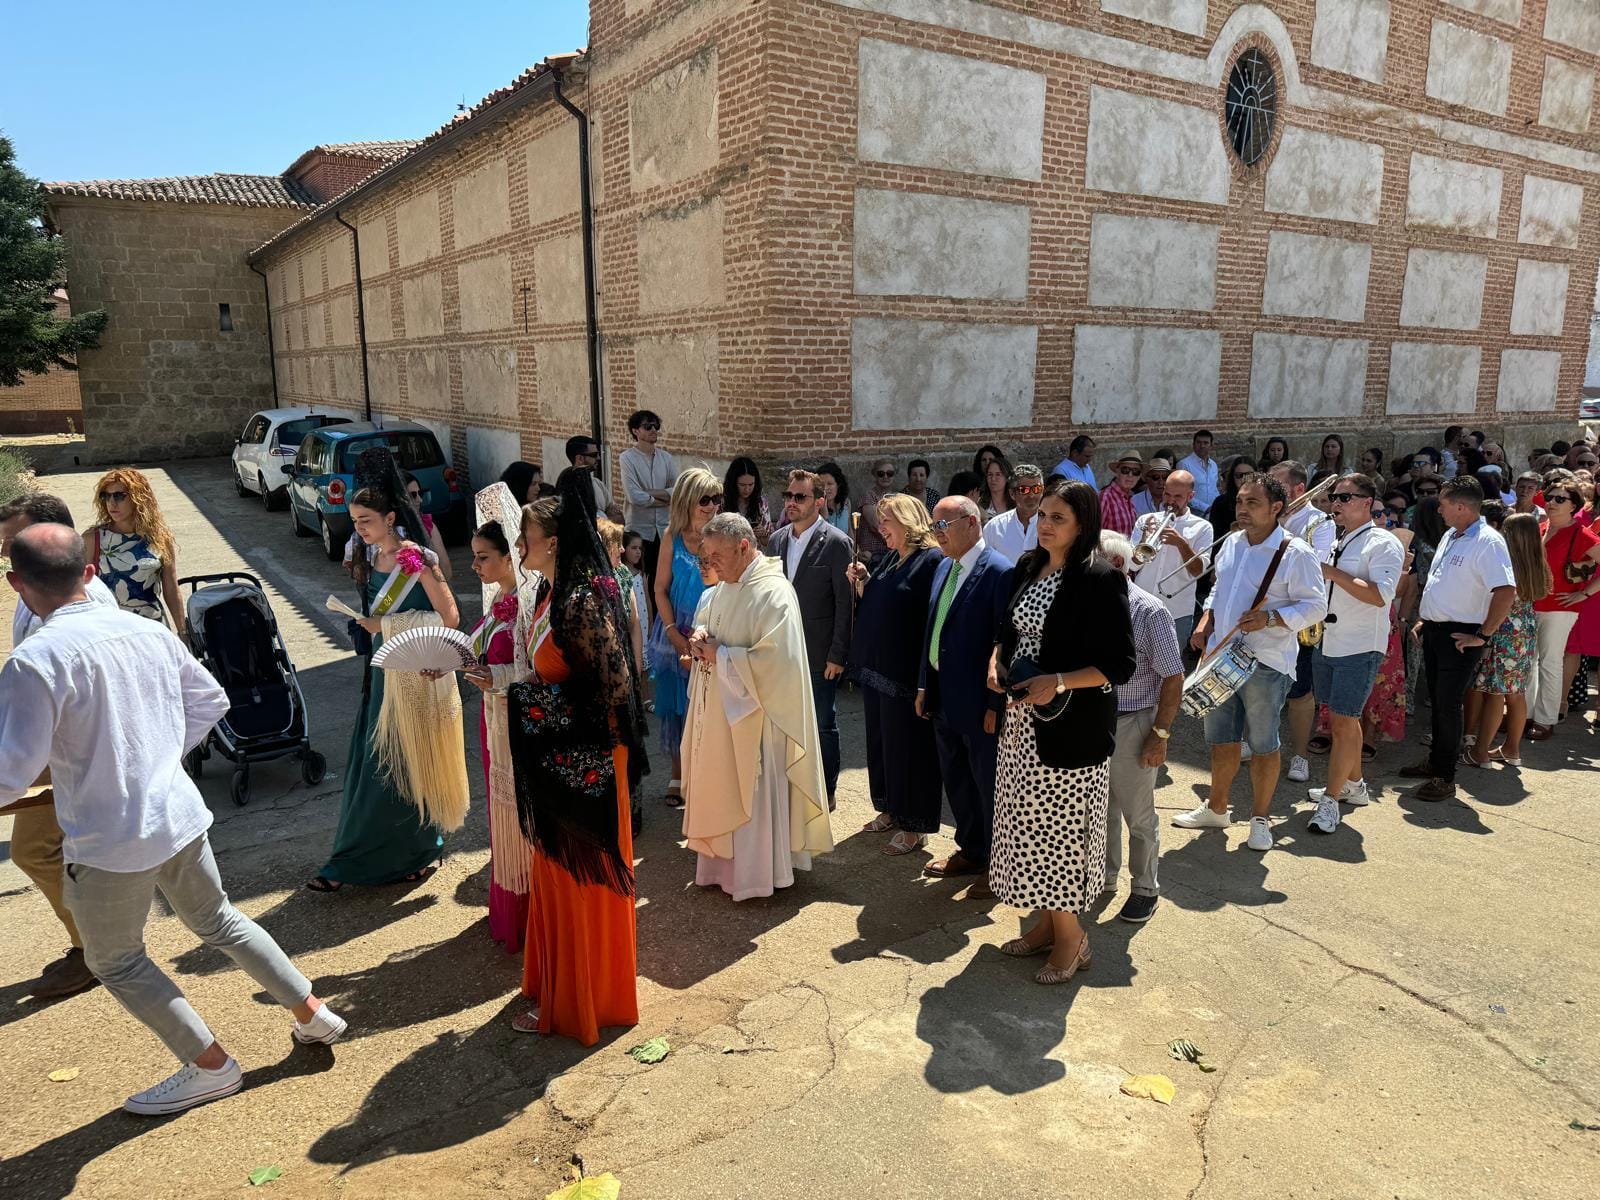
<point x="1260" y="834"/>
<point x="1354" y="792"/>
<point x="325" y="1026"/>
<point x="1326" y="818"/>
<point x="1299" y="770"/>
<point x="1203" y="817"/>
<point x="191" y="1085"/>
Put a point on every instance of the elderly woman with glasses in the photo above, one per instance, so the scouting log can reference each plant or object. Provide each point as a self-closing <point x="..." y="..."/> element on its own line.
<point x="696" y="498"/>
<point x="1573" y="554"/>
<point x="870" y="543"/>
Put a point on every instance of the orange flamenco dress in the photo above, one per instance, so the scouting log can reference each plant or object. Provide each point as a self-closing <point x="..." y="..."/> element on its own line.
<point x="581" y="962"/>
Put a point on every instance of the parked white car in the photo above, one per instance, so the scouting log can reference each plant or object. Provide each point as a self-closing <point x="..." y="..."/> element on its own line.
<point x="270" y="440"/>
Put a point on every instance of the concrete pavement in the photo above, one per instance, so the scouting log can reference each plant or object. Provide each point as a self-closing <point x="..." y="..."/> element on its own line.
<point x="1406" y="1009"/>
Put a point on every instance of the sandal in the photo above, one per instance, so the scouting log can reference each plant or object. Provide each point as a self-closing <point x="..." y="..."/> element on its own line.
<point x="421" y="876"/>
<point x="904" y="843"/>
<point x="1022" y="948"/>
<point x="1320" y="745"/>
<point x="526" y="1021"/>
<point x="323" y="884"/>
<point x="674" y="796"/>
<point x="881" y="823"/>
<point x="1080" y="962"/>
<point x="1498" y="754"/>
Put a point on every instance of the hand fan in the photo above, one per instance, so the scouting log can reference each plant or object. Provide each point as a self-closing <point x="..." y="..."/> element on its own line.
<point x="428" y="648"/>
<point x="334" y="604"/>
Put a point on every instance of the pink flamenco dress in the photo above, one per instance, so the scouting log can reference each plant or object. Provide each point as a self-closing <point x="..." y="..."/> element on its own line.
<point x="495" y="639"/>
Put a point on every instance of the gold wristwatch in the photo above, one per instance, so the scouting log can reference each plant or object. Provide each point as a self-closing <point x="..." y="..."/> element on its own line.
<point x="1163" y="734"/>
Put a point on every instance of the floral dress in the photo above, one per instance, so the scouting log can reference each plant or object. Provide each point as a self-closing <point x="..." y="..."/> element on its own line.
<point x="132" y="570"/>
<point x="1508" y="660"/>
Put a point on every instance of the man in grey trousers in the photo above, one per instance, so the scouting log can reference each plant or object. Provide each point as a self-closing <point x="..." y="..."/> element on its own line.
<point x="111" y="702"/>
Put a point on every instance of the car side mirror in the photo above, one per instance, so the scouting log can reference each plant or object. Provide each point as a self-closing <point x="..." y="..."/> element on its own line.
<point x="289" y="470"/>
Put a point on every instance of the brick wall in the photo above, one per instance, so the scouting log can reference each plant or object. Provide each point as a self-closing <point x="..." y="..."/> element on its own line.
<point x="166" y="381"/>
<point x="327" y="175"/>
<point x="43" y="403"/>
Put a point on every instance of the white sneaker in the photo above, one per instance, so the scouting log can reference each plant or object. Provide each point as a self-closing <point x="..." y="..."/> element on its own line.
<point x="1299" y="770"/>
<point x="1245" y="753"/>
<point x="325" y="1026"/>
<point x="192" y="1085"/>
<point x="1260" y="834"/>
<point x="1203" y="817"/>
<point x="1326" y="818"/>
<point x="1354" y="792"/>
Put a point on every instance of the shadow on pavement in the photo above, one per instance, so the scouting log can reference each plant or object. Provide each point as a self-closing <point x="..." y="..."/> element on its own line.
<point x="1209" y="875"/>
<point x="304" y="922"/>
<point x="17" y="1002"/>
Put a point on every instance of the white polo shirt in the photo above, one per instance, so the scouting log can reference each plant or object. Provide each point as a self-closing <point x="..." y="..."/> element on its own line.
<point x="1467" y="568"/>
<point x="1006" y="536"/>
<point x="1354" y="627"/>
<point x="1176" y="592"/>
<point x="1322" y="537"/>
<point x="1297" y="594"/>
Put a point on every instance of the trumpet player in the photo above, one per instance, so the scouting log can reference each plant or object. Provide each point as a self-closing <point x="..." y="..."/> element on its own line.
<point x="1177" y="552"/>
<point x="1307" y="523"/>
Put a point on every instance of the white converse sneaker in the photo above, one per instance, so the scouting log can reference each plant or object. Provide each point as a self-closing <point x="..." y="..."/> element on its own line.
<point x="325" y="1026"/>
<point x="1326" y="818"/>
<point x="1203" y="817"/>
<point x="1260" y="834"/>
<point x="1299" y="770"/>
<point x="1354" y="792"/>
<point x="190" y="1086"/>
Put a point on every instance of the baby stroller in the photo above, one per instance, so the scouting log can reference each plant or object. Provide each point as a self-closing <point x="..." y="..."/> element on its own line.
<point x="233" y="631"/>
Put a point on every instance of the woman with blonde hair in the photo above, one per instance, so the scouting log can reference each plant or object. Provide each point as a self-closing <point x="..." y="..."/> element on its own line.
<point x="696" y="498"/>
<point x="1499" y="693"/>
<point x="885" y="657"/>
<point x="131" y="547"/>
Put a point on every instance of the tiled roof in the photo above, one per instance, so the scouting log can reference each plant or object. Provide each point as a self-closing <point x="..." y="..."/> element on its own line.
<point x="484" y="110"/>
<point x="254" y="191"/>
<point x="383" y="150"/>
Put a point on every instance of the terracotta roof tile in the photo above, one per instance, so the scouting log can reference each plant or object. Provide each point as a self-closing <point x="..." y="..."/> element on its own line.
<point x="381" y="150"/>
<point x="253" y="191"/>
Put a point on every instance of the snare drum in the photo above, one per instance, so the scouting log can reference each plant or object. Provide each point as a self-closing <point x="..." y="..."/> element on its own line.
<point x="1218" y="678"/>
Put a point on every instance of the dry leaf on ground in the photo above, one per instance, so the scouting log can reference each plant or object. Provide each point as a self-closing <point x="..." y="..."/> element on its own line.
<point x="594" y="1187"/>
<point x="63" y="1075"/>
<point x="1150" y="1087"/>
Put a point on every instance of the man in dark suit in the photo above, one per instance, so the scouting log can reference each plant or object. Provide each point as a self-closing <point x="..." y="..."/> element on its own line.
<point x="814" y="556"/>
<point x="970" y="592"/>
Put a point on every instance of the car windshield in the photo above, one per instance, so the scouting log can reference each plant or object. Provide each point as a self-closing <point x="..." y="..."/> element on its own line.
<point x="291" y="433"/>
<point x="412" y="450"/>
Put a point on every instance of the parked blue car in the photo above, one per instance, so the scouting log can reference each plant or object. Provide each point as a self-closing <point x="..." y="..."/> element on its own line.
<point x="322" y="478"/>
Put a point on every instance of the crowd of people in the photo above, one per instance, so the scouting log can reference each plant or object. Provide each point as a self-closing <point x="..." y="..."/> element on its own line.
<point x="1023" y="644"/>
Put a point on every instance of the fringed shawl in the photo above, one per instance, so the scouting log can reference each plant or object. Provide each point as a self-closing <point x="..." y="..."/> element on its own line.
<point x="418" y="739"/>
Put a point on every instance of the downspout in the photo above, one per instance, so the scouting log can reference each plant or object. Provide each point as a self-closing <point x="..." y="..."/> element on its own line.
<point x="361" y="312"/>
<point x="590" y="286"/>
<point x="272" y="351"/>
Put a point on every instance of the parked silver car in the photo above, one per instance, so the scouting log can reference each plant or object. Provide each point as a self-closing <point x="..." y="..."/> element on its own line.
<point x="270" y="439"/>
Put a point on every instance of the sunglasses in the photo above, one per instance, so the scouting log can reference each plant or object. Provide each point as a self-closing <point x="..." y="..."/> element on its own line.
<point x="1129" y="471"/>
<point x="651" y="425"/>
<point x="797" y="497"/>
<point x="1396" y="510"/>
<point x="113" y="497"/>
<point x="942" y="525"/>
<point x="1156" y="476"/>
<point x="1240" y="475"/>
<point x="1422" y="463"/>
<point x="711" y="501"/>
<point x="1346" y="497"/>
<point x="1028" y="489"/>
<point x="1427" y="491"/>
<point x="883" y="474"/>
<point x="1557" y="498"/>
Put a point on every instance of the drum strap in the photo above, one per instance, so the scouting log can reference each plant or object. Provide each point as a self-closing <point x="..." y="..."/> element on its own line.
<point x="1266" y="580"/>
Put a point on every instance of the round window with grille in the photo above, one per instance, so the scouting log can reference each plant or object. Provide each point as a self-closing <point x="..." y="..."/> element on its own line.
<point x="1251" y="106"/>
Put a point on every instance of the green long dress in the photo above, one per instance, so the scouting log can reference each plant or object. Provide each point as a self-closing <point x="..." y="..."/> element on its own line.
<point x="381" y="835"/>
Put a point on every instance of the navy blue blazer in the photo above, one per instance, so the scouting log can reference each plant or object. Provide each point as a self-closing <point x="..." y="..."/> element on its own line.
<point x="957" y="694"/>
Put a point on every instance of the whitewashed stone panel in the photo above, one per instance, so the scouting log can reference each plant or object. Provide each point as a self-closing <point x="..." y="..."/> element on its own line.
<point x="1469" y="68"/>
<point x="423" y="299"/>
<point x="678" y="378"/>
<point x="1573" y="23"/>
<point x="1552" y="212"/>
<point x="417" y="228"/>
<point x="1567" y="98"/>
<point x="1455" y="196"/>
<point x="1539" y="304"/>
<point x="1312" y="276"/>
<point x="1443" y="289"/>
<point x="680" y="258"/>
<point x="941" y="374"/>
<point x="489" y="382"/>
<point x="1154" y="147"/>
<point x="1148" y="373"/>
<point x="1320" y="175"/>
<point x="1186" y="16"/>
<point x="489" y="452"/>
<point x="1509" y="11"/>
<point x="1528" y="381"/>
<point x="1296" y="376"/>
<point x="919" y="244"/>
<point x="1148" y="262"/>
<point x="1433" y="377"/>
<point x="1352" y="37"/>
<point x="484" y="289"/>
<point x="482" y="204"/>
<point x="672" y="122"/>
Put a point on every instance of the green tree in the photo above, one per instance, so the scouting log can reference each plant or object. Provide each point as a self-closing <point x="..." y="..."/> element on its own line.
<point x="32" y="337"/>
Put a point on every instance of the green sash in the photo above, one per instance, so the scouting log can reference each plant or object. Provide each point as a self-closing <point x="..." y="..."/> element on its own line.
<point x="394" y="590"/>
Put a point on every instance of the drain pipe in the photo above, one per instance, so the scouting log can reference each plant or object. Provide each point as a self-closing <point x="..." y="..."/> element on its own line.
<point x="590" y="286"/>
<point x="272" y="350"/>
<point x="361" y="312"/>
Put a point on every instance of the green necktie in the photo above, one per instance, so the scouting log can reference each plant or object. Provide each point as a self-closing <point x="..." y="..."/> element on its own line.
<point x="947" y="595"/>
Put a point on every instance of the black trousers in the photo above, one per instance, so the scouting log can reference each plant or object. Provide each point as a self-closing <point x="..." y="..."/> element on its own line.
<point x="907" y="785"/>
<point x="1449" y="673"/>
<point x="967" y="762"/>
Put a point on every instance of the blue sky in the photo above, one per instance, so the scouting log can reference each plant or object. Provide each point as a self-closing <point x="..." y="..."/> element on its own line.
<point x="248" y="88"/>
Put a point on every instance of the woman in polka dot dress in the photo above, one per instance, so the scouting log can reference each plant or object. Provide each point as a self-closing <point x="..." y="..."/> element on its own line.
<point x="1069" y="618"/>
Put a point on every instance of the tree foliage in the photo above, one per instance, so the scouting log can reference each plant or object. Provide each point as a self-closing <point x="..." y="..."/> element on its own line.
<point x="32" y="337"/>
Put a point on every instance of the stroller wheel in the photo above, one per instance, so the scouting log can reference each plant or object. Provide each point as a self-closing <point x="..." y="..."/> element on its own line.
<point x="191" y="763"/>
<point x="313" y="768"/>
<point x="240" y="788"/>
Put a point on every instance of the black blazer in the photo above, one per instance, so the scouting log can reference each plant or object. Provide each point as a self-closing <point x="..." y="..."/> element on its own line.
<point x="827" y="601"/>
<point x="1088" y="625"/>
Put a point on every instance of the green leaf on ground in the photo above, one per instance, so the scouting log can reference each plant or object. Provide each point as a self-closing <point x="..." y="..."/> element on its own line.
<point x="265" y="1175"/>
<point x="1186" y="1051"/>
<point x="595" y="1187"/>
<point x="652" y="1051"/>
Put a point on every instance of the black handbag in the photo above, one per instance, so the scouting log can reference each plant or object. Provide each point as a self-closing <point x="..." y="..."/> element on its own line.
<point x="359" y="638"/>
<point x="1023" y="670"/>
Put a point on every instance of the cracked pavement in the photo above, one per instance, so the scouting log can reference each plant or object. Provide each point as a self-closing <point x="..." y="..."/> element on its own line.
<point x="1405" y="1009"/>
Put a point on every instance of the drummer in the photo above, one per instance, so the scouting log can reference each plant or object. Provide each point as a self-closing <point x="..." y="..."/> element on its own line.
<point x="1269" y="587"/>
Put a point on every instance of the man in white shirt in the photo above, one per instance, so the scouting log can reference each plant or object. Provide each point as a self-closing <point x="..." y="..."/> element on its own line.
<point x="35" y="833"/>
<point x="1363" y="573"/>
<point x="1469" y="592"/>
<point x="1269" y="587"/>
<point x="1013" y="533"/>
<point x="1174" y="573"/>
<point x="648" y="474"/>
<point x="112" y="702"/>
<point x="1203" y="467"/>
<point x="1315" y="527"/>
<point x="1079" y="462"/>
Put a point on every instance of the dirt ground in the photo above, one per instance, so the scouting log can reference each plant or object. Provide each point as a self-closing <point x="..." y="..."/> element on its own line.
<point x="1406" y="1009"/>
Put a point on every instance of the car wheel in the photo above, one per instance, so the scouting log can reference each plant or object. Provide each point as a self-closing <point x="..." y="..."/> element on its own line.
<point x="330" y="547"/>
<point x="266" y="496"/>
<point x="238" y="482"/>
<point x="294" y="519"/>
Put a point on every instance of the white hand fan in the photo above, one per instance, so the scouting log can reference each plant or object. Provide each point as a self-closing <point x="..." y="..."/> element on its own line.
<point x="429" y="648"/>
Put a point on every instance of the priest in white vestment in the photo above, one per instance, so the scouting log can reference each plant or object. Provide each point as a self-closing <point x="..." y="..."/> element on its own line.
<point x="755" y="805"/>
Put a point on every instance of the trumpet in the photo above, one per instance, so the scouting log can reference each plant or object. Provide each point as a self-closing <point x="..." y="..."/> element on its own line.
<point x="1149" y="543"/>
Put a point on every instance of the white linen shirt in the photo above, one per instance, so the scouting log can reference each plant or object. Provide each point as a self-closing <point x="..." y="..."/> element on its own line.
<point x="642" y="474"/>
<point x="1322" y="537"/>
<point x="1006" y="536"/>
<point x="1297" y="594"/>
<point x="110" y="702"/>
<point x="1083" y="474"/>
<point x="24" y="621"/>
<point x="1355" y="627"/>
<point x="1205" y="481"/>
<point x="1177" y="593"/>
<point x="797" y="546"/>
<point x="1466" y="569"/>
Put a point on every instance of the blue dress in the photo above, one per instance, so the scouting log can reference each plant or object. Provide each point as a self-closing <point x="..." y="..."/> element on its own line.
<point x="672" y="679"/>
<point x="132" y="570"/>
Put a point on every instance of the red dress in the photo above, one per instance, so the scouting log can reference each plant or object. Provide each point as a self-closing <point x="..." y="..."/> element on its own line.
<point x="581" y="963"/>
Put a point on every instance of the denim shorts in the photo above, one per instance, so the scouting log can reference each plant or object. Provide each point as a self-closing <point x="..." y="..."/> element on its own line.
<point x="1252" y="713"/>
<point x="1302" y="673"/>
<point x="1344" y="683"/>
